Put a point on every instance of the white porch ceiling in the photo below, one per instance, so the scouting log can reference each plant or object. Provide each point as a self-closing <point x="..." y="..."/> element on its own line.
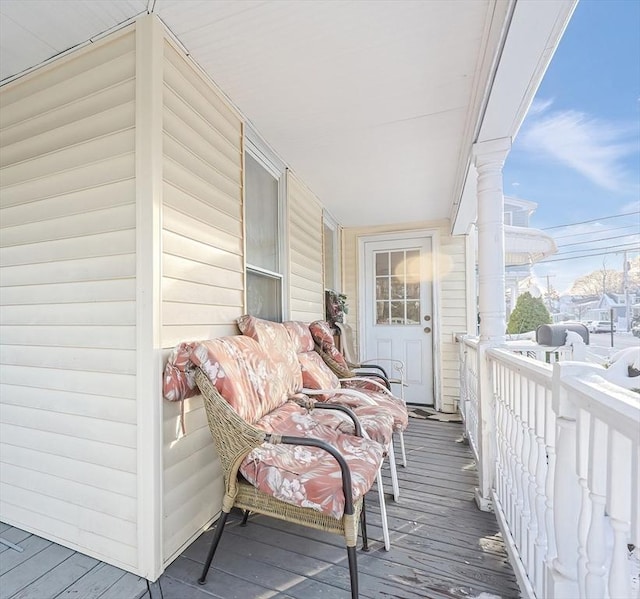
<point x="374" y="104"/>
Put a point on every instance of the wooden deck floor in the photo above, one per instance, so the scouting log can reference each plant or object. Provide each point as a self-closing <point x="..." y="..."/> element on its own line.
<point x="442" y="547"/>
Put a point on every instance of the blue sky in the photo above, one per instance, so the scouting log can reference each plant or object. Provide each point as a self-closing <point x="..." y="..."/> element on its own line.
<point x="578" y="152"/>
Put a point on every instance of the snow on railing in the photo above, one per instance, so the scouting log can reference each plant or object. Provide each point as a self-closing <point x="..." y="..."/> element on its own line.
<point x="563" y="470"/>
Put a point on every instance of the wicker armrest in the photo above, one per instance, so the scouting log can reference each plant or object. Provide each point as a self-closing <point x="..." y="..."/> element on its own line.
<point x="233" y="437"/>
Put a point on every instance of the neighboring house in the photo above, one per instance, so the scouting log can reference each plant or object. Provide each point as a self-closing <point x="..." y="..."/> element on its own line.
<point x="524" y="246"/>
<point x="143" y="204"/>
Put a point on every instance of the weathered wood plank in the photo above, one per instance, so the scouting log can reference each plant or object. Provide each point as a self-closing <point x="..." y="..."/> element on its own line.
<point x="31" y="545"/>
<point x="13" y="535"/>
<point x="26" y="572"/>
<point x="128" y="586"/>
<point x="94" y="583"/>
<point x="58" y="578"/>
<point x="442" y="547"/>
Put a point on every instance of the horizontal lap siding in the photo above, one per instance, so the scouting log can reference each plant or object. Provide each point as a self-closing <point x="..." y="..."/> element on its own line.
<point x="453" y="314"/>
<point x="67" y="260"/>
<point x="202" y="277"/>
<point x="306" y="296"/>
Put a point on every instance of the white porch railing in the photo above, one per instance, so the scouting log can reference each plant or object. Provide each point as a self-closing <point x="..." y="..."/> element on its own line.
<point x="564" y="470"/>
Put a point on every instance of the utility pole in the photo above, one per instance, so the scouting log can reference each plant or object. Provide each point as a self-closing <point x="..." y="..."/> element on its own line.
<point x="625" y="289"/>
<point x="549" y="292"/>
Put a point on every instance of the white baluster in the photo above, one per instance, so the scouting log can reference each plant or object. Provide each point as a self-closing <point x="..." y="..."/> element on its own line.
<point x="509" y="453"/>
<point x="518" y="462"/>
<point x="619" y="509"/>
<point x="562" y="575"/>
<point x="500" y="392"/>
<point x="597" y="482"/>
<point x="531" y="480"/>
<point x="524" y="474"/>
<point x="583" y="428"/>
<point x="541" y="473"/>
<point x="550" y="446"/>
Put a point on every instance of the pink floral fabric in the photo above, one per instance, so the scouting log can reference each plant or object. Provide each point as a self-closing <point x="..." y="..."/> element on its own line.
<point x="317" y="375"/>
<point x="300" y="335"/>
<point x="274" y="339"/>
<point x="322" y="335"/>
<point x="309" y="476"/>
<point x="243" y="373"/>
<point x="179" y="374"/>
<point x="246" y="376"/>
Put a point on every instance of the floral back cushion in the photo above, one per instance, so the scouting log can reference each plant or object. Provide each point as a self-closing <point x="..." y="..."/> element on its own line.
<point x="315" y="373"/>
<point x="243" y="373"/>
<point x="323" y="337"/>
<point x="274" y="339"/>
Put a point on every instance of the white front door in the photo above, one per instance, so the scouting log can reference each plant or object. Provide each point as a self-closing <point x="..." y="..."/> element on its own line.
<point x="398" y="309"/>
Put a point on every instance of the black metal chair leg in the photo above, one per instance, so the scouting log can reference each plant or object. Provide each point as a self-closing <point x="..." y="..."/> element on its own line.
<point x="353" y="572"/>
<point x="363" y="527"/>
<point x="245" y="517"/>
<point x="214" y="545"/>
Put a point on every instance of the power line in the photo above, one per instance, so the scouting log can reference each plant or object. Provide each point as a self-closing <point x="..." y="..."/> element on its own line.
<point x="597" y="240"/>
<point x="620" y="248"/>
<point x="635" y="227"/>
<point x="593" y="220"/>
<point x="614" y="251"/>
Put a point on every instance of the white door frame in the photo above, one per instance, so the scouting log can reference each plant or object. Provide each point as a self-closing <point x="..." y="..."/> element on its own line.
<point x="434" y="235"/>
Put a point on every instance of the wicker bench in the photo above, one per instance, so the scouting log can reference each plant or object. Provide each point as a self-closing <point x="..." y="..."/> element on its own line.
<point x="279" y="458"/>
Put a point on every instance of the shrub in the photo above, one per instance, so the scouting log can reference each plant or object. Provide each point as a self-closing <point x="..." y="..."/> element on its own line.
<point x="529" y="313"/>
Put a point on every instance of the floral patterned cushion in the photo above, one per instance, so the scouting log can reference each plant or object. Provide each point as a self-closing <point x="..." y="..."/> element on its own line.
<point x="315" y="373"/>
<point x="300" y="335"/>
<point x="390" y="406"/>
<point x="322" y="335"/>
<point x="309" y="476"/>
<point x="243" y="373"/>
<point x="275" y="340"/>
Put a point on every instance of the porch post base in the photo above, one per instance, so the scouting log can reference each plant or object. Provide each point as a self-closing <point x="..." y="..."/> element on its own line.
<point x="559" y="586"/>
<point x="484" y="503"/>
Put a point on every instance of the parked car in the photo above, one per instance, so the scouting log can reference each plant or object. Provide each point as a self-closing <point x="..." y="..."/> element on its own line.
<point x="603" y="326"/>
<point x="636" y="330"/>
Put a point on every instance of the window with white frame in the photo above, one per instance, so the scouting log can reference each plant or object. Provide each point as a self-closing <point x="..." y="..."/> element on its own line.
<point x="264" y="193"/>
<point x="331" y="257"/>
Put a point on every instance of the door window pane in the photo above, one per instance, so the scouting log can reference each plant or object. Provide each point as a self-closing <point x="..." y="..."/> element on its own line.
<point x="382" y="312"/>
<point x="382" y="263"/>
<point x="397" y="291"/>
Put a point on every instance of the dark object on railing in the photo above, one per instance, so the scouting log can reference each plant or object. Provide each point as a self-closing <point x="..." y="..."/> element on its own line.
<point x="556" y="334"/>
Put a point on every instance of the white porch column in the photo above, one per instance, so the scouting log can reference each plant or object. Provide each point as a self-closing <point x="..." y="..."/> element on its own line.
<point x="489" y="157"/>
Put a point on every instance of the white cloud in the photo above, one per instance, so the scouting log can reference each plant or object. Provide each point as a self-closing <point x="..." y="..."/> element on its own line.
<point x="592" y="147"/>
<point x="538" y="106"/>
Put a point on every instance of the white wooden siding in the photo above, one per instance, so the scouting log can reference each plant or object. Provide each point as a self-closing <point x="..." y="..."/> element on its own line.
<point x="202" y="276"/>
<point x="306" y="287"/>
<point x="67" y="260"/>
<point x="451" y="291"/>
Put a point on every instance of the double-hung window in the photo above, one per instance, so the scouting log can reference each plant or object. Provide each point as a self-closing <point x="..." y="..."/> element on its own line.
<point x="331" y="253"/>
<point x="264" y="234"/>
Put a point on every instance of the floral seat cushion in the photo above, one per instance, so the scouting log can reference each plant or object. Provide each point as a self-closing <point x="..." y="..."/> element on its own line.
<point x="317" y="375"/>
<point x="311" y="477"/>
